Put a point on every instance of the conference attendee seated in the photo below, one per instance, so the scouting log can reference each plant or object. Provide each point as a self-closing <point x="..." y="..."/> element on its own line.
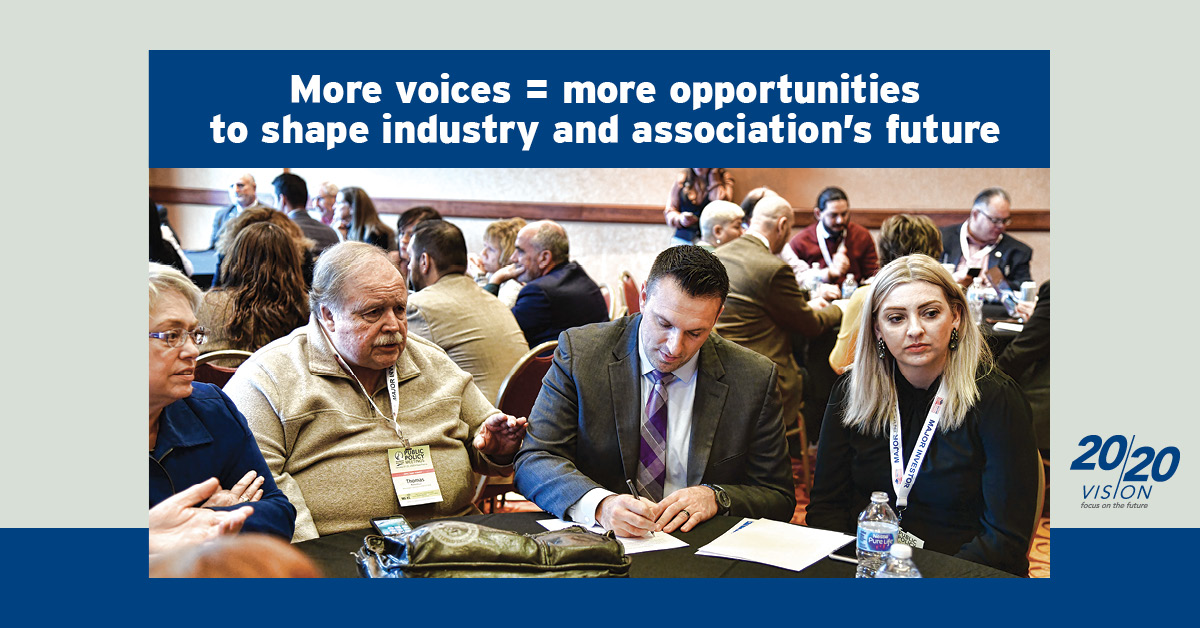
<point x="982" y="242"/>
<point x="692" y="191"/>
<point x="720" y="223"/>
<point x="765" y="304"/>
<point x="342" y="404"/>
<point x="245" y="194"/>
<point x="254" y="216"/>
<point x="657" y="399"/>
<point x="404" y="228"/>
<point x="899" y="235"/>
<point x="323" y="202"/>
<point x="356" y="218"/>
<point x="1027" y="360"/>
<point x="262" y="296"/>
<point x="499" y="242"/>
<point x="558" y="293"/>
<point x="450" y="310"/>
<point x="834" y="244"/>
<point x="292" y="193"/>
<point x="965" y="472"/>
<point x="804" y="272"/>
<point x="196" y="433"/>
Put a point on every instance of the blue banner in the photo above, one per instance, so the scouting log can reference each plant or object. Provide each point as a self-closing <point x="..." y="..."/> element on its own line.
<point x="600" y="108"/>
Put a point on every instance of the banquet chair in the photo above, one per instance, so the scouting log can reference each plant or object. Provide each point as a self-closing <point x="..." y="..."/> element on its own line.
<point x="805" y="466"/>
<point x="518" y="391"/>
<point x="631" y="292"/>
<point x="608" y="300"/>
<point x="217" y="375"/>
<point x="1041" y="496"/>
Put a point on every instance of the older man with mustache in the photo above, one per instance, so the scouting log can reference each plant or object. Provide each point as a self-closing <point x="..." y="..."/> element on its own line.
<point x="358" y="420"/>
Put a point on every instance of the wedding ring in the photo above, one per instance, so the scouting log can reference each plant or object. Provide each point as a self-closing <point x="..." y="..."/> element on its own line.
<point x="686" y="513"/>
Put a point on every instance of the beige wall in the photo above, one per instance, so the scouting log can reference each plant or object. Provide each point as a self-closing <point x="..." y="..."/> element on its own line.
<point x="606" y="249"/>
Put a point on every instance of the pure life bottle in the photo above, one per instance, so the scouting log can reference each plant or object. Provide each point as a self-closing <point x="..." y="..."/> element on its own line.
<point x="878" y="526"/>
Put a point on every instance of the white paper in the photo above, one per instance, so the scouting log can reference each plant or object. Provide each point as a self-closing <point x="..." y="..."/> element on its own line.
<point x="660" y="540"/>
<point x="775" y="543"/>
<point x="1002" y="326"/>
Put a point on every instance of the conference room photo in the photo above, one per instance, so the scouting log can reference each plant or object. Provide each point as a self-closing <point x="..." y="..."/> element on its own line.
<point x="599" y="372"/>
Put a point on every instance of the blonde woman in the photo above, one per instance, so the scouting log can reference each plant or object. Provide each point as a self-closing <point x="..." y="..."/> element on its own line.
<point x="963" y="477"/>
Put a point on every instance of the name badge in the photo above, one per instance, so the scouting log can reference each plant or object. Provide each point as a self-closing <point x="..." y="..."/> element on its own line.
<point x="909" y="539"/>
<point x="413" y="476"/>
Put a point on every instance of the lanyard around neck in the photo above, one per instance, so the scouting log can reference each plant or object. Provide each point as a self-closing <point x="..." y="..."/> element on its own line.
<point x="822" y="234"/>
<point x="982" y="255"/>
<point x="393" y="385"/>
<point x="903" y="477"/>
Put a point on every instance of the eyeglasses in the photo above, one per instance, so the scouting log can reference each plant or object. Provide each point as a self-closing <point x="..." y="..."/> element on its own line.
<point x="999" y="222"/>
<point x="176" y="337"/>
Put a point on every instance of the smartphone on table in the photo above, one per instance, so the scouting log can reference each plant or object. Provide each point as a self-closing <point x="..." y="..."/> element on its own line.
<point x="392" y="526"/>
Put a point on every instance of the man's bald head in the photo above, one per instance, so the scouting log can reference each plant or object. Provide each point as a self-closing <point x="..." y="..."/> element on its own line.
<point x="772" y="219"/>
<point x="541" y="246"/>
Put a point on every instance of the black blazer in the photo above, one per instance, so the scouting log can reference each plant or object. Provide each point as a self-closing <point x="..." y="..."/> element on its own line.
<point x="1011" y="255"/>
<point x="562" y="298"/>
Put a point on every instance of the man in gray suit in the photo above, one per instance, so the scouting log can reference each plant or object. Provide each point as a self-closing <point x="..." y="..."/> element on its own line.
<point x="245" y="191"/>
<point x="655" y="399"/>
<point x="450" y="310"/>
<point x="292" y="192"/>
<point x="766" y="305"/>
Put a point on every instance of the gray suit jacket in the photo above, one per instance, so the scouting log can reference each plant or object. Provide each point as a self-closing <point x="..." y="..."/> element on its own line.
<point x="314" y="230"/>
<point x="584" y="427"/>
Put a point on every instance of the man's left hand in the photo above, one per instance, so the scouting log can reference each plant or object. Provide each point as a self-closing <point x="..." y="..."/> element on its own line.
<point x="687" y="508"/>
<point x="500" y="435"/>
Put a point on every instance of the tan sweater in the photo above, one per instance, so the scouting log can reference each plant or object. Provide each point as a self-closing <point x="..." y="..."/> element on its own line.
<point x="327" y="447"/>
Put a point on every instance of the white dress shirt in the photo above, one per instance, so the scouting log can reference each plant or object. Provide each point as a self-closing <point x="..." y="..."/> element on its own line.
<point x="681" y="397"/>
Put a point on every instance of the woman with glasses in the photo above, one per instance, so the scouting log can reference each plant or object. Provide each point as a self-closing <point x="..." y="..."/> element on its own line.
<point x="924" y="415"/>
<point x="196" y="433"/>
<point x="262" y="295"/>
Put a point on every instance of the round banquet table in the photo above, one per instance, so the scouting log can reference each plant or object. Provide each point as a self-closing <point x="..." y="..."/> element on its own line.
<point x="333" y="554"/>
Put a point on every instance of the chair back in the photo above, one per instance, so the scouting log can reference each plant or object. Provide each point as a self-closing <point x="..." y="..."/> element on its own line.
<point x="608" y="300"/>
<point x="521" y="386"/>
<point x="632" y="293"/>
<point x="1041" y="497"/>
<point x="218" y="376"/>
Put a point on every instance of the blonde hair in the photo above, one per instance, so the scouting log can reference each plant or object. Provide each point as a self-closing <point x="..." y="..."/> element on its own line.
<point x="871" y="398"/>
<point x="166" y="280"/>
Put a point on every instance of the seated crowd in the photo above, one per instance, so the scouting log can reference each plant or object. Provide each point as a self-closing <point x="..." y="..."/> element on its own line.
<point x="379" y="353"/>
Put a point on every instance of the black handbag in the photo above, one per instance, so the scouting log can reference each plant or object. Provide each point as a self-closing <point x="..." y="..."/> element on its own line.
<point x="457" y="549"/>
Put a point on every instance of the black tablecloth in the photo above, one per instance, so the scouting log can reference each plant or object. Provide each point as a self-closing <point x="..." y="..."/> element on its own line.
<point x="333" y="554"/>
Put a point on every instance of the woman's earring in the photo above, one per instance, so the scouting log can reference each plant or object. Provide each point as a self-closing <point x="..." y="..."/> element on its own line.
<point x="880" y="347"/>
<point x="953" y="339"/>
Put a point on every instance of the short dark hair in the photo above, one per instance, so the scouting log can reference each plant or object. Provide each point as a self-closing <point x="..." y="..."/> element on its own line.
<point x="417" y="214"/>
<point x="444" y="243"/>
<point x="830" y="194"/>
<point x="293" y="188"/>
<point x="697" y="271"/>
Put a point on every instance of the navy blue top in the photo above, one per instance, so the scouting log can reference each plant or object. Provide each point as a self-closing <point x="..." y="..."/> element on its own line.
<point x="563" y="298"/>
<point x="204" y="436"/>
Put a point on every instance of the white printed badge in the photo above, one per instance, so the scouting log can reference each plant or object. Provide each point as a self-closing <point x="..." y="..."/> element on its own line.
<point x="413" y="476"/>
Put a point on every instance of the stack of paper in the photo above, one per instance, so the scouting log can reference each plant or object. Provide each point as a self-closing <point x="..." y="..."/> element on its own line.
<point x="659" y="541"/>
<point x="775" y="543"/>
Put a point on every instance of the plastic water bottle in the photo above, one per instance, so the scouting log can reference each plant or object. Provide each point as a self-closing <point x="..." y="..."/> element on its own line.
<point x="975" y="301"/>
<point x="899" y="564"/>
<point x="877" y="529"/>
<point x="849" y="286"/>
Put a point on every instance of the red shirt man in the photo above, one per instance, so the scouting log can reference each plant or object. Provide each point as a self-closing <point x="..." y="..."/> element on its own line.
<point x="838" y="246"/>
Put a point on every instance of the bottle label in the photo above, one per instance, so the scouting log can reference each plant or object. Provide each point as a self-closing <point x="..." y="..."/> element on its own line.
<point x="875" y="541"/>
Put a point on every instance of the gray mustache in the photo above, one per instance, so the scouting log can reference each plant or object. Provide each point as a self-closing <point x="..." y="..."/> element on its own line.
<point x="393" y="338"/>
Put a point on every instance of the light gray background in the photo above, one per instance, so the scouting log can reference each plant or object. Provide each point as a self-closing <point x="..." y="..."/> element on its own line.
<point x="1123" y="138"/>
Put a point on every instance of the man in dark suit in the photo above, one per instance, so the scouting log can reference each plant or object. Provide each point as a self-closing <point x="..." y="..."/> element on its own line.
<point x="558" y="293"/>
<point x="658" y="400"/>
<point x="245" y="190"/>
<point x="981" y="242"/>
<point x="292" y="192"/>
<point x="766" y="305"/>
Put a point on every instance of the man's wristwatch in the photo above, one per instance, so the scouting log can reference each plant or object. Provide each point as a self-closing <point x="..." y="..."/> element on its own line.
<point x="722" y="498"/>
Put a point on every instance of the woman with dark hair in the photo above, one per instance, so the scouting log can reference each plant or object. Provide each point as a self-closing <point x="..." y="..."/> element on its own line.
<point x="355" y="216"/>
<point x="695" y="188"/>
<point x="924" y="414"/>
<point x="161" y="250"/>
<point x="262" y="296"/>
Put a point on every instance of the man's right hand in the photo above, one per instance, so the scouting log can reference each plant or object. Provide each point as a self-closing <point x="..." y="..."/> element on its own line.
<point x="627" y="515"/>
<point x="962" y="279"/>
<point x="505" y="273"/>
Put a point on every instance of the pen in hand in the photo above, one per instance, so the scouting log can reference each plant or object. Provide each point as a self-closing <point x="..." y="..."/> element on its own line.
<point x="633" y="491"/>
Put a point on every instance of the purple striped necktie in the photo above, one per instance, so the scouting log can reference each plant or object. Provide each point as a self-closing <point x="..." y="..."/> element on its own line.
<point x="652" y="458"/>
